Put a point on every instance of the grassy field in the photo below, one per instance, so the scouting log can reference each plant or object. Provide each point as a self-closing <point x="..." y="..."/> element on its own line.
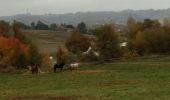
<point x="46" y="39"/>
<point x="135" y="79"/>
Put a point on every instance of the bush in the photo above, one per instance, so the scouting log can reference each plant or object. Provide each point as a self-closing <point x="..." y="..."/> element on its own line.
<point x="90" y="57"/>
<point x="130" y="54"/>
<point x="70" y="57"/>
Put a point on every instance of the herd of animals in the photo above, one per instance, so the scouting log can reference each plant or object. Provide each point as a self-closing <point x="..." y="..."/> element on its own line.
<point x="35" y="70"/>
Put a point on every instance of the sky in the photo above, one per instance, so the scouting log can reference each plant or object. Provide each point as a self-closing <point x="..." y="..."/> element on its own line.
<point x="37" y="7"/>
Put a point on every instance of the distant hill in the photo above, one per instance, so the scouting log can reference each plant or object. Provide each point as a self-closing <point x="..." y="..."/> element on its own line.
<point x="91" y="18"/>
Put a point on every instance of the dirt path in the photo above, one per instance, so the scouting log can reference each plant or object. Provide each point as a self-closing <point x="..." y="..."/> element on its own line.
<point x="84" y="71"/>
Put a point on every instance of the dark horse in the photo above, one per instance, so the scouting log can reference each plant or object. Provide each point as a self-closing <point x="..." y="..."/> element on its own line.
<point x="34" y="69"/>
<point x="59" y="66"/>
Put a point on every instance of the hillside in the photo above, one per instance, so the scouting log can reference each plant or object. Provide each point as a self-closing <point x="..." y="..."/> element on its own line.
<point x="47" y="40"/>
<point x="91" y="18"/>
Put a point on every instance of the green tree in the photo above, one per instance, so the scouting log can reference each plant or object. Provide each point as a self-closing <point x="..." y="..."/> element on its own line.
<point x="107" y="41"/>
<point x="4" y="28"/>
<point x="82" y="28"/>
<point x="34" y="57"/>
<point x="70" y="26"/>
<point x="33" y="25"/>
<point x="23" y="25"/>
<point x="20" y="60"/>
<point x="53" y="26"/>
<point x="41" y="26"/>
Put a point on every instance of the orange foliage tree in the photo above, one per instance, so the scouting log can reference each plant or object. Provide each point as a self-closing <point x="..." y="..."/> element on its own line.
<point x="77" y="43"/>
<point x="45" y="59"/>
<point x="10" y="50"/>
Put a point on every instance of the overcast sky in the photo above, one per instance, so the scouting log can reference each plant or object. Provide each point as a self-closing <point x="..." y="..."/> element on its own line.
<point x="11" y="7"/>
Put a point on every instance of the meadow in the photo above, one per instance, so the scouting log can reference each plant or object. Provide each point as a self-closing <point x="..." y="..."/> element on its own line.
<point x="146" y="78"/>
<point x="47" y="40"/>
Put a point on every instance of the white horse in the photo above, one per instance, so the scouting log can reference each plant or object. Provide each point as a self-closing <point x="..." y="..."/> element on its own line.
<point x="74" y="65"/>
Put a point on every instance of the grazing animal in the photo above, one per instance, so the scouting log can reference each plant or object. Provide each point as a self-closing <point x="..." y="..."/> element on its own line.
<point x="58" y="66"/>
<point x="74" y="65"/>
<point x="34" y="69"/>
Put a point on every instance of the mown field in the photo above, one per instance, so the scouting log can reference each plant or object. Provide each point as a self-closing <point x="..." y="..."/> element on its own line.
<point x="134" y="79"/>
<point x="46" y="39"/>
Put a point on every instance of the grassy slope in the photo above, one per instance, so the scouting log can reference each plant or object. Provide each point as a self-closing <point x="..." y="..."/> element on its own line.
<point x="47" y="40"/>
<point x="139" y="79"/>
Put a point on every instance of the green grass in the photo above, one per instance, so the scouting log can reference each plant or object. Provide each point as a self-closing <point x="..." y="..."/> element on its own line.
<point x="137" y="79"/>
<point x="46" y="39"/>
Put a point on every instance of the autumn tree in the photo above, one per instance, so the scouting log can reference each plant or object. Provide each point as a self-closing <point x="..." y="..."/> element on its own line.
<point x="77" y="43"/>
<point x="148" y="23"/>
<point x="60" y="56"/>
<point x="14" y="49"/>
<point x="11" y="51"/>
<point x="153" y="41"/>
<point x="45" y="59"/>
<point x="137" y="32"/>
<point x="133" y="27"/>
<point x="107" y="41"/>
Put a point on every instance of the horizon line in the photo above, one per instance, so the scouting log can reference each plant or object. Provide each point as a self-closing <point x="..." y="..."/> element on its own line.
<point x="49" y="13"/>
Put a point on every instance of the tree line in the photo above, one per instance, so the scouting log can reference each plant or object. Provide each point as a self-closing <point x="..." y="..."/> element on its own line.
<point x="43" y="26"/>
<point x="147" y="37"/>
